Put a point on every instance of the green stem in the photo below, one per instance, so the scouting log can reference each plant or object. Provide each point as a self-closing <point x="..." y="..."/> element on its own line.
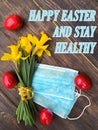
<point x="19" y="78"/>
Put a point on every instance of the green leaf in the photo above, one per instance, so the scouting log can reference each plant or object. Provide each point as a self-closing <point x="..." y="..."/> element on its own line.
<point x="32" y="68"/>
<point x="27" y="65"/>
<point x="18" y="112"/>
<point x="24" y="113"/>
<point x="28" y="119"/>
<point x="32" y="108"/>
<point x="20" y="79"/>
<point x="24" y="67"/>
<point x="23" y="71"/>
<point x="21" y="110"/>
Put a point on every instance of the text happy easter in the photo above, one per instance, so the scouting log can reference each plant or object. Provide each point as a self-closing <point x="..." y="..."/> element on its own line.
<point x="67" y="31"/>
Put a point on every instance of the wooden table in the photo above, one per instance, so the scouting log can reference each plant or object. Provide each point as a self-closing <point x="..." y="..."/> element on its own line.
<point x="84" y="63"/>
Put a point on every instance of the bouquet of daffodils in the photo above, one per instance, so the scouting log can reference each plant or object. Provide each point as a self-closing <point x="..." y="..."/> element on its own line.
<point x="25" y="56"/>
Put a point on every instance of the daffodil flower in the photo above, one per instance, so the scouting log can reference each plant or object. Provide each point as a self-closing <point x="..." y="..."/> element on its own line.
<point x="25" y="44"/>
<point x="39" y="44"/>
<point x="39" y="47"/>
<point x="15" y="55"/>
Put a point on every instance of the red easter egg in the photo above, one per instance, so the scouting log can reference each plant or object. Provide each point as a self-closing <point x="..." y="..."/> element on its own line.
<point x="13" y="22"/>
<point x="9" y="80"/>
<point x="83" y="82"/>
<point x="46" y="117"/>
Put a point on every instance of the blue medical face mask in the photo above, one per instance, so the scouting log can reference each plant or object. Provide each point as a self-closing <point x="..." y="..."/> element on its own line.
<point x="54" y="89"/>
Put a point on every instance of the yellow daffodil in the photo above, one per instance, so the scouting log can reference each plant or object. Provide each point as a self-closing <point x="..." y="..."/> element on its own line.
<point x="25" y="44"/>
<point x="39" y="44"/>
<point x="15" y="54"/>
<point x="30" y="38"/>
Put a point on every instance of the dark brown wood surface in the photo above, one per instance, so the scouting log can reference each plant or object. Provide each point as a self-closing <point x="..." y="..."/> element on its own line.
<point x="84" y="63"/>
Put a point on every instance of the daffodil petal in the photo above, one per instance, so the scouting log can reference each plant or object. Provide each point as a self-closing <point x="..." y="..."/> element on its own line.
<point x="24" y="41"/>
<point x="28" y="48"/>
<point x="25" y="44"/>
<point x="44" y="47"/>
<point x="39" y="53"/>
<point x="48" y="52"/>
<point x="6" y="56"/>
<point x="35" y="40"/>
<point x="18" y="56"/>
<point x="14" y="49"/>
<point x="31" y="39"/>
<point x="44" y="38"/>
<point x="24" y="58"/>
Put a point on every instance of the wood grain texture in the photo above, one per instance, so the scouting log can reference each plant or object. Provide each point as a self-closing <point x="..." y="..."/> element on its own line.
<point x="10" y="99"/>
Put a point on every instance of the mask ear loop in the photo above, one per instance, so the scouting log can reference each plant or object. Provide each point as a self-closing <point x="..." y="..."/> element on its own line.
<point x="89" y="104"/>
